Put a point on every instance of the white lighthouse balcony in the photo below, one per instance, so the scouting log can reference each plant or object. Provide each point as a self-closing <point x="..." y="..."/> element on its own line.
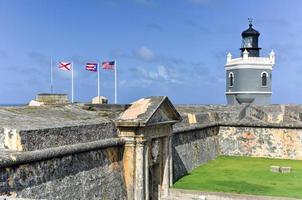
<point x="250" y="62"/>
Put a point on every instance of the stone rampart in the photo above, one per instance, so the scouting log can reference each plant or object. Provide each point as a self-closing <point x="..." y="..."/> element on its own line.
<point x="80" y="171"/>
<point x="74" y="151"/>
<point x="285" y="143"/>
<point x="60" y="152"/>
<point x="273" y="131"/>
<point x="193" y="148"/>
<point x="30" y="140"/>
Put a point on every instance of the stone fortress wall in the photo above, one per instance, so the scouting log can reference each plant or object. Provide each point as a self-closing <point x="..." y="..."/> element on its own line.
<point x="271" y="131"/>
<point x="75" y="152"/>
<point x="62" y="152"/>
<point x="88" y="173"/>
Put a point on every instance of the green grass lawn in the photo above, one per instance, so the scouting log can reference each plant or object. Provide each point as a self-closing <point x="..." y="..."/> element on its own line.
<point x="245" y="175"/>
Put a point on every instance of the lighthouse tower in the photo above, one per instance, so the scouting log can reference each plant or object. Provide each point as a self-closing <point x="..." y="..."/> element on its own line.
<point x="249" y="77"/>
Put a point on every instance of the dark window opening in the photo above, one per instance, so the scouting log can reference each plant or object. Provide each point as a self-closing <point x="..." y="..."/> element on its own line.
<point x="264" y="79"/>
<point x="231" y="76"/>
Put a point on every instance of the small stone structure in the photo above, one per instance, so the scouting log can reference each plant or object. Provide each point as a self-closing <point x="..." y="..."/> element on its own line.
<point x="275" y="169"/>
<point x="99" y="100"/>
<point x="278" y="169"/>
<point x="49" y="99"/>
<point x="146" y="127"/>
<point x="285" y="169"/>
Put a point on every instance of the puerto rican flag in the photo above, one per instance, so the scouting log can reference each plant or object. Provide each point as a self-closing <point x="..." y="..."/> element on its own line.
<point x="65" y="66"/>
<point x="108" y="65"/>
<point x="92" y="67"/>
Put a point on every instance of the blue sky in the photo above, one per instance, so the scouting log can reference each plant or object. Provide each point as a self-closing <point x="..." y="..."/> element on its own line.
<point x="174" y="48"/>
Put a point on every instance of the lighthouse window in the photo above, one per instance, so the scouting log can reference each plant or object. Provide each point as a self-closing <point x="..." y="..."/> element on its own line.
<point x="231" y="79"/>
<point x="264" y="76"/>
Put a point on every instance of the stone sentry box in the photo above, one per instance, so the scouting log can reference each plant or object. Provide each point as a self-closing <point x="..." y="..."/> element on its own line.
<point x="146" y="128"/>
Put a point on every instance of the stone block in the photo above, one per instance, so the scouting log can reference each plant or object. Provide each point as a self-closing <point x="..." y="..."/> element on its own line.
<point x="99" y="100"/>
<point x="285" y="169"/>
<point x="47" y="98"/>
<point x="192" y="118"/>
<point x="35" y="103"/>
<point x="275" y="169"/>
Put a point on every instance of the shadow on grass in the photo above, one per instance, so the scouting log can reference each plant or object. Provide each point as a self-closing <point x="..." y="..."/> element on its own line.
<point x="240" y="187"/>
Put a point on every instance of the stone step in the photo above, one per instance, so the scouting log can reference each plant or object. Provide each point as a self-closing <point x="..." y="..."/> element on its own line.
<point x="180" y="194"/>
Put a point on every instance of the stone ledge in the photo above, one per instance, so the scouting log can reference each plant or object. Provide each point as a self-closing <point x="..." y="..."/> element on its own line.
<point x="50" y="116"/>
<point x="106" y="107"/>
<point x="180" y="194"/>
<point x="17" y="158"/>
<point x="16" y="198"/>
<point x="235" y="124"/>
<point x="31" y="140"/>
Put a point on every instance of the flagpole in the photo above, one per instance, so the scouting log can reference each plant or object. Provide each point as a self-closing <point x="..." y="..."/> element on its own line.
<point x="72" y="82"/>
<point x="98" y="69"/>
<point x="51" y="76"/>
<point x="115" y="83"/>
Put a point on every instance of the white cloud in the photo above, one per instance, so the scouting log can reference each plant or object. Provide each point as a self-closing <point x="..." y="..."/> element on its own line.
<point x="161" y="75"/>
<point x="163" y="72"/>
<point x="145" y="53"/>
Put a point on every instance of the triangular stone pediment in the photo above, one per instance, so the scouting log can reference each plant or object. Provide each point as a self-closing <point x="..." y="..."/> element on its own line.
<point x="149" y="111"/>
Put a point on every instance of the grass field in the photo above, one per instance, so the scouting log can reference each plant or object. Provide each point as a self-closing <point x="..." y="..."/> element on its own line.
<point x="246" y="176"/>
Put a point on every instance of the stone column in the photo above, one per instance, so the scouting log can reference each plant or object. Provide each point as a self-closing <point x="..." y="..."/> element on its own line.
<point x="129" y="167"/>
<point x="147" y="148"/>
<point x="140" y="170"/>
<point x="171" y="162"/>
<point x="166" y="166"/>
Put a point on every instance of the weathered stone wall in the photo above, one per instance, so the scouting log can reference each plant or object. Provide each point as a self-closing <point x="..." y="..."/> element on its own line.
<point x="96" y="173"/>
<point x="283" y="143"/>
<point x="193" y="148"/>
<point x="198" y="145"/>
<point x="73" y="151"/>
<point x="61" y="152"/>
<point x="52" y="98"/>
<point x="40" y="139"/>
<point x="273" y="131"/>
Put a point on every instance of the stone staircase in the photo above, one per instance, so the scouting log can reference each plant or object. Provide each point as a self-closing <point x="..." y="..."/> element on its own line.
<point x="179" y="194"/>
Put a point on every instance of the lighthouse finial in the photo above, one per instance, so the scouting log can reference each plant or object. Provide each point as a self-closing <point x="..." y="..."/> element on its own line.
<point x="250" y="21"/>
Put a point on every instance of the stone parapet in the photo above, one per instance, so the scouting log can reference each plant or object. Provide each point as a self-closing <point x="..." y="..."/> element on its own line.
<point x="82" y="171"/>
<point x="30" y="140"/>
<point x="52" y="98"/>
<point x="12" y="158"/>
<point x="193" y="148"/>
<point x="275" y="116"/>
<point x="262" y="61"/>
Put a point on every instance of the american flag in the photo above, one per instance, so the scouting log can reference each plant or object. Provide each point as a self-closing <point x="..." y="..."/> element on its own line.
<point x="65" y="65"/>
<point x="108" y="65"/>
<point x="92" y="67"/>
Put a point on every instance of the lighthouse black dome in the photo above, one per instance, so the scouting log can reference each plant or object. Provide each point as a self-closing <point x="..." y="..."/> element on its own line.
<point x="250" y="32"/>
<point x="250" y="41"/>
